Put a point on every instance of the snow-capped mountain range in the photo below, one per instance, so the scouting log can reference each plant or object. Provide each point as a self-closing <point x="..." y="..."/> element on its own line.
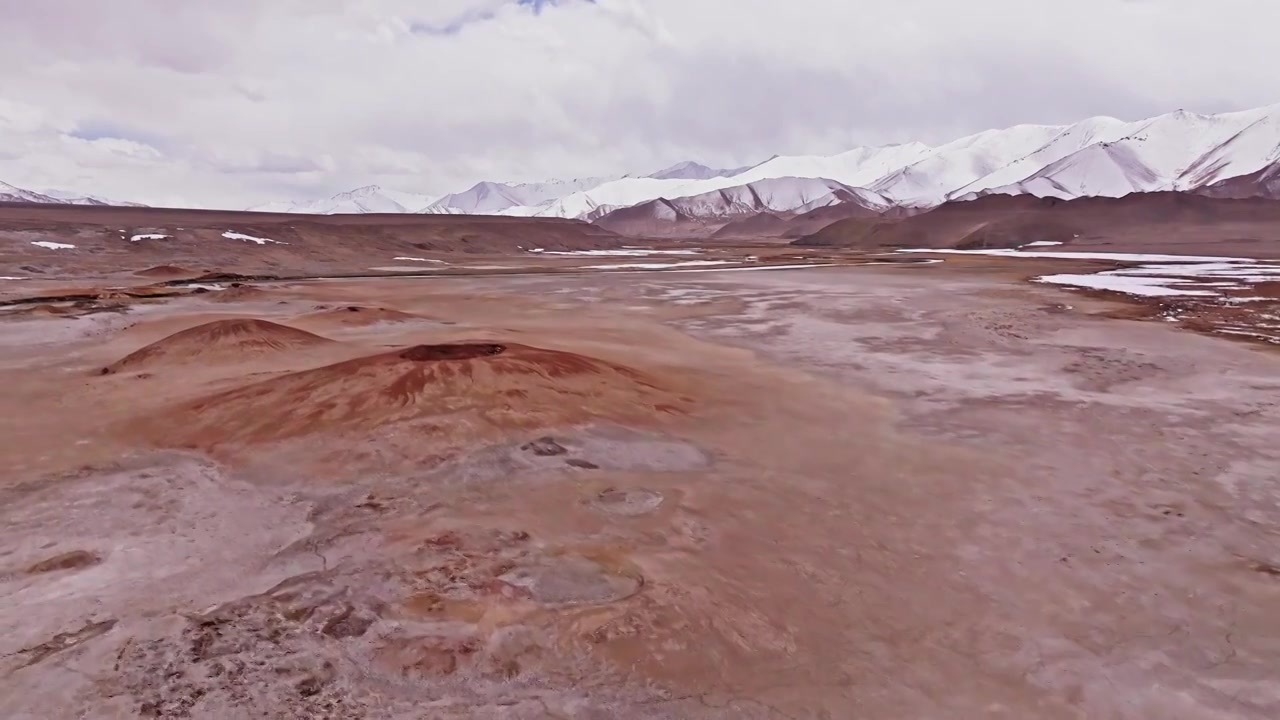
<point x="484" y="198"/>
<point x="12" y="193"/>
<point x="1101" y="156"/>
<point x="370" y="199"/>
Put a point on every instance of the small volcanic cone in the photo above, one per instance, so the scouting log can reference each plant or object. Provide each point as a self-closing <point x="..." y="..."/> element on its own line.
<point x="165" y="271"/>
<point x="459" y="386"/>
<point x="48" y="309"/>
<point x="361" y="315"/>
<point x="221" y="340"/>
<point x="239" y="293"/>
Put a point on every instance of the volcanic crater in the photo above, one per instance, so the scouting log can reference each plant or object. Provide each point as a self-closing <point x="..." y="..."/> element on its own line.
<point x="471" y="384"/>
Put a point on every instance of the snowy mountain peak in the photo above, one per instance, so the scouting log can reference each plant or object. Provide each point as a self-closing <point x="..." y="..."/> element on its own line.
<point x="367" y="199"/>
<point x="13" y="193"/>
<point x="690" y="170"/>
<point x="1098" y="156"/>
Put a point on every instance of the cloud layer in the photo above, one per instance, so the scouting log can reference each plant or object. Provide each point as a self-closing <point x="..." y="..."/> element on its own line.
<point x="240" y="101"/>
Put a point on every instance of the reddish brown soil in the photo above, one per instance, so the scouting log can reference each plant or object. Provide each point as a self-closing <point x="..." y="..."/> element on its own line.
<point x="876" y="490"/>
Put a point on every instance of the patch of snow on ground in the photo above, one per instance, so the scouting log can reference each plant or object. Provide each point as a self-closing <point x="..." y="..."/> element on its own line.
<point x="1198" y="276"/>
<point x="1041" y="243"/>
<point x="1145" y="286"/>
<point x="53" y="245"/>
<point x="149" y="236"/>
<point x="415" y="259"/>
<point x="1223" y="270"/>
<point x="1118" y="257"/>
<point x="232" y="235"/>
<point x="11" y="277"/>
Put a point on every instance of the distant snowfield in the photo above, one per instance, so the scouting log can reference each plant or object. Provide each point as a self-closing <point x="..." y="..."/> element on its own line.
<point x="1066" y="255"/>
<point x="1155" y="275"/>
<point x="232" y="235"/>
<point x="418" y="259"/>
<point x="1173" y="279"/>
<point x="1243" y="270"/>
<point x="149" y="236"/>
<point x="50" y="245"/>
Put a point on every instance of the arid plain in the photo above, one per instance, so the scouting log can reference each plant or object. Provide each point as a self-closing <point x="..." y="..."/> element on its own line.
<point x="530" y="484"/>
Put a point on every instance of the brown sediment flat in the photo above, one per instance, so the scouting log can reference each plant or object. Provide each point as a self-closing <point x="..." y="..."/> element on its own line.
<point x="287" y="244"/>
<point x="907" y="490"/>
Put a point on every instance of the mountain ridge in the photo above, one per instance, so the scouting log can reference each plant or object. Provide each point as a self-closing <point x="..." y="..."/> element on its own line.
<point x="1096" y="157"/>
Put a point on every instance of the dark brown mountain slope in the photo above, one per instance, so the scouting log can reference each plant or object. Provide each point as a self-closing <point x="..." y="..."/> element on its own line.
<point x="1264" y="183"/>
<point x="1147" y="221"/>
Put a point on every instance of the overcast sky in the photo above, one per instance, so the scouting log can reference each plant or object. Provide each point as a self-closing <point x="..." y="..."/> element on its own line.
<point x="236" y="102"/>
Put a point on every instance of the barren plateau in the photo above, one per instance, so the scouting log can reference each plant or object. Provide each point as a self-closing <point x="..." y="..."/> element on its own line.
<point x="557" y="473"/>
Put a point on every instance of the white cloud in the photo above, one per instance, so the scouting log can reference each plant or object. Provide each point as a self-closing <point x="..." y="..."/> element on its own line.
<point x="240" y="101"/>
